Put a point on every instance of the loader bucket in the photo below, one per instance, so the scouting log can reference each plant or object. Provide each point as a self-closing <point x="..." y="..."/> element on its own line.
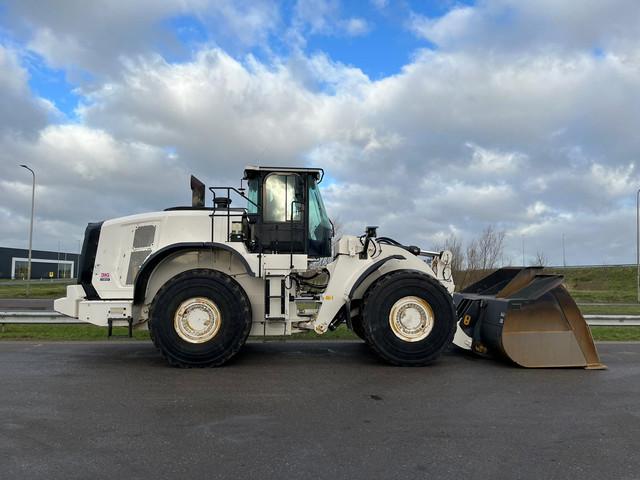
<point x="528" y="318"/>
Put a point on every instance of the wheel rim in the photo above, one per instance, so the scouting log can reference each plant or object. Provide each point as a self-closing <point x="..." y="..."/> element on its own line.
<point x="411" y="319"/>
<point x="197" y="320"/>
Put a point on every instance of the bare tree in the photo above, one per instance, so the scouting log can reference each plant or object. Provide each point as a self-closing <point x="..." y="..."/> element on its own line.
<point x="483" y="254"/>
<point x="540" y="260"/>
<point x="491" y="243"/>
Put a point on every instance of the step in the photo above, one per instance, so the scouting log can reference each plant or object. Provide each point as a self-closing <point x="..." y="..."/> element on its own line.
<point x="119" y="322"/>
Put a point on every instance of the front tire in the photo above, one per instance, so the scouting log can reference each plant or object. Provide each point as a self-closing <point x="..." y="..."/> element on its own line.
<point x="200" y="318"/>
<point x="357" y="328"/>
<point x="408" y="318"/>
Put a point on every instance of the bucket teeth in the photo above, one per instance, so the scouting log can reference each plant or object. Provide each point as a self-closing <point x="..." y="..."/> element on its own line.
<point x="528" y="318"/>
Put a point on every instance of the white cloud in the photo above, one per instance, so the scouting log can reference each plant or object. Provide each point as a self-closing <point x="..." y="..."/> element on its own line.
<point x="537" y="209"/>
<point x="529" y="131"/>
<point x="356" y="27"/>
<point x="96" y="36"/>
<point x="380" y="4"/>
<point x="494" y="161"/>
<point x="83" y="174"/>
<point x="20" y="111"/>
<point x="517" y="25"/>
<point x="441" y="30"/>
<point x="323" y="17"/>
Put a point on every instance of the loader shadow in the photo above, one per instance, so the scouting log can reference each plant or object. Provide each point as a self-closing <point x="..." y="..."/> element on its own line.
<point x="308" y="351"/>
<point x="325" y="353"/>
<point x="341" y="353"/>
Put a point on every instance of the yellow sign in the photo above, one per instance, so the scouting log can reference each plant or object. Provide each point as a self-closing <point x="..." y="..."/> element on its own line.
<point x="50" y="274"/>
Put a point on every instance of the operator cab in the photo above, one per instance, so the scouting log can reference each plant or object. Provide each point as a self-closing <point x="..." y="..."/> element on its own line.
<point x="285" y="212"/>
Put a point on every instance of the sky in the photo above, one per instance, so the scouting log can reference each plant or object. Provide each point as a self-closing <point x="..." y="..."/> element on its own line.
<point x="431" y="118"/>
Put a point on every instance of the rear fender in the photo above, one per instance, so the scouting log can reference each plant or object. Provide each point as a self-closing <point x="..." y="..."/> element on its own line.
<point x="170" y="261"/>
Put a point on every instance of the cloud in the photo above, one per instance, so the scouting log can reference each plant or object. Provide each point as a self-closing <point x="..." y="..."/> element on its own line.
<point x="323" y="17"/>
<point x="355" y="27"/>
<point x="515" y="25"/>
<point x="417" y="153"/>
<point x="530" y="131"/>
<point x="93" y="38"/>
<point x="20" y="111"/>
<point x="83" y="174"/>
<point x="495" y="162"/>
<point x="442" y="30"/>
<point x="380" y="4"/>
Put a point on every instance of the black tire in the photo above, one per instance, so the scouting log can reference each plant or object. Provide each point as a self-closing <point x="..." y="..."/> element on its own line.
<point x="152" y="336"/>
<point x="235" y="318"/>
<point x="357" y="328"/>
<point x="380" y="298"/>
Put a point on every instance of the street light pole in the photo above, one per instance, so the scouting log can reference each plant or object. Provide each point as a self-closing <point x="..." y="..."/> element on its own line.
<point x="638" y="244"/>
<point x="33" y="198"/>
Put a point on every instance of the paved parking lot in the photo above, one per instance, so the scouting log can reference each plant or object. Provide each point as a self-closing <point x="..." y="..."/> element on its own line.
<point x="311" y="410"/>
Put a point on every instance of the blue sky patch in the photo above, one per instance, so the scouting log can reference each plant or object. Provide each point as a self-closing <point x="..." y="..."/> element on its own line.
<point x="51" y="84"/>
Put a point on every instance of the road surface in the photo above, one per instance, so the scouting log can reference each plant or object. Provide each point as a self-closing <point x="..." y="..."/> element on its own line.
<point x="313" y="410"/>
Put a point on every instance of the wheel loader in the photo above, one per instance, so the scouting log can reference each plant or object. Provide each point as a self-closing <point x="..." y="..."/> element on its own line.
<point x="203" y="279"/>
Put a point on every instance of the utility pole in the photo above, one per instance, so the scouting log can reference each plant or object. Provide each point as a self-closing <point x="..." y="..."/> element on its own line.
<point x="564" y="254"/>
<point x="33" y="198"/>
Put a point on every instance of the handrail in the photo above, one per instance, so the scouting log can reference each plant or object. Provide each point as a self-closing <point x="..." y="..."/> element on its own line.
<point x="229" y="189"/>
<point x="293" y="202"/>
<point x="228" y="209"/>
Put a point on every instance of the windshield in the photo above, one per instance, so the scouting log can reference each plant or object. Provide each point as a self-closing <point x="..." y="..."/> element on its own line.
<point x="319" y="224"/>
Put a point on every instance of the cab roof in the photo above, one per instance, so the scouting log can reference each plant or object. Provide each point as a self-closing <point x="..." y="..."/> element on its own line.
<point x="252" y="171"/>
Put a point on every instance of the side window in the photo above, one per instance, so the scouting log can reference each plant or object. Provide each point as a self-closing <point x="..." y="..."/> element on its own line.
<point x="283" y="197"/>
<point x="252" y="204"/>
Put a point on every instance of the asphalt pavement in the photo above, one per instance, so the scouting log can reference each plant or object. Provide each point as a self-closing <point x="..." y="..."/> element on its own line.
<point x="311" y="410"/>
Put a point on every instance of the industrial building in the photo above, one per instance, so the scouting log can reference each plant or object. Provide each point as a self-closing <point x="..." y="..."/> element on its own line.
<point x="44" y="264"/>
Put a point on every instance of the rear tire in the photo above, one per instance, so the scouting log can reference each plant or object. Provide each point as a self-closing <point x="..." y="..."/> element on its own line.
<point x="408" y="318"/>
<point x="200" y="318"/>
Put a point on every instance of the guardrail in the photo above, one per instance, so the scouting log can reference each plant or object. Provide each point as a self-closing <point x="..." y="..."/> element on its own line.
<point x="39" y="281"/>
<point x="613" y="320"/>
<point x="55" y="318"/>
<point x="35" y="316"/>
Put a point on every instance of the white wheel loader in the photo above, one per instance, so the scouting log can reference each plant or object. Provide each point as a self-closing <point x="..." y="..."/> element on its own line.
<point x="202" y="279"/>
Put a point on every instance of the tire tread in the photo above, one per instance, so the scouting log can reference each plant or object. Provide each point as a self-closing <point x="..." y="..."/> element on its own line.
<point x="238" y="293"/>
<point x="382" y="283"/>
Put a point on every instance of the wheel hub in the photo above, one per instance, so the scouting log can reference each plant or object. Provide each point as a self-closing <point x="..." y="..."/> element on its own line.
<point x="411" y="319"/>
<point x="197" y="320"/>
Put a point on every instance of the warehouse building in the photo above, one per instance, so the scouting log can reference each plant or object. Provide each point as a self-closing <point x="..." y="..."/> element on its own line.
<point x="44" y="264"/>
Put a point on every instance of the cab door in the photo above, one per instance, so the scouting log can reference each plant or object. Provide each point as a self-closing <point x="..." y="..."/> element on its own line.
<point x="284" y="223"/>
